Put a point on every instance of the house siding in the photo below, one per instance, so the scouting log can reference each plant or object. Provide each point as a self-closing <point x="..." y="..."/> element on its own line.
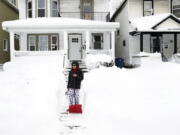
<point x="136" y="9"/>
<point x="161" y="6"/>
<point x="10" y="14"/>
<point x="121" y="50"/>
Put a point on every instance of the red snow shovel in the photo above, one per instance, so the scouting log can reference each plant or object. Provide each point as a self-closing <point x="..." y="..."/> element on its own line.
<point x="75" y="108"/>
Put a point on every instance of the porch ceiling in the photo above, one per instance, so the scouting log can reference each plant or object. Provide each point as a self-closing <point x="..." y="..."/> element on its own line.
<point x="57" y="24"/>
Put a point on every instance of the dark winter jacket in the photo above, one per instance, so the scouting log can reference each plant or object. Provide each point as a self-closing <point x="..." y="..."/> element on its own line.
<point x="75" y="82"/>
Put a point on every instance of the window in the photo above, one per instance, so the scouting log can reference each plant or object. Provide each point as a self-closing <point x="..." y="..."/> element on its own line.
<point x="87" y="9"/>
<point x="32" y="43"/>
<point x="54" y="42"/>
<point x="98" y="40"/>
<point x="74" y="40"/>
<point x="148" y="7"/>
<point x="176" y="7"/>
<point x="54" y="8"/>
<point x="41" y="8"/>
<point x="29" y="9"/>
<point x="5" y="45"/>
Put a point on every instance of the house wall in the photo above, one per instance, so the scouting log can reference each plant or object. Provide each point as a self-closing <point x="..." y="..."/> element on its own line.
<point x="136" y="7"/>
<point x="134" y="42"/>
<point x="161" y="6"/>
<point x="10" y="14"/>
<point x="178" y="43"/>
<point x="121" y="50"/>
<point x="70" y="6"/>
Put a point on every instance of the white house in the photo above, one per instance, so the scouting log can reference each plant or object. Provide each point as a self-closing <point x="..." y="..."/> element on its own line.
<point x="147" y="26"/>
<point x="42" y="27"/>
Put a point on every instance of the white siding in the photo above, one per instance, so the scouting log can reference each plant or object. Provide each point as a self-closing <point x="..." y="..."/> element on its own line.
<point x="22" y="9"/>
<point x="135" y="8"/>
<point x="169" y="24"/>
<point x="161" y="6"/>
<point x="134" y="42"/>
<point x="120" y="50"/>
<point x="101" y="5"/>
<point x="70" y="6"/>
<point x="168" y="45"/>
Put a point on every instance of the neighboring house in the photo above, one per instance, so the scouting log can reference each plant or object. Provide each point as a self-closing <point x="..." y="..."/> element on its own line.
<point x="7" y="12"/>
<point x="48" y="26"/>
<point x="147" y="26"/>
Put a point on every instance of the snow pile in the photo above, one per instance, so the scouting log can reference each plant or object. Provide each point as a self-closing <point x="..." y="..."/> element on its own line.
<point x="141" y="101"/>
<point x="96" y="60"/>
<point x="28" y="96"/>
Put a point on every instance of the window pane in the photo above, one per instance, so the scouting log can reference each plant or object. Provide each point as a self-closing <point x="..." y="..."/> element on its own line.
<point x="30" y="13"/>
<point x="148" y="6"/>
<point x="54" y="13"/>
<point x="41" y="3"/>
<point x="41" y="12"/>
<point x="54" y="5"/>
<point x="29" y="5"/>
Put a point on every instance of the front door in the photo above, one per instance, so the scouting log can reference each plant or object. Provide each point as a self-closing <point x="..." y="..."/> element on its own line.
<point x="168" y="45"/>
<point x="75" y="46"/>
<point x="43" y="42"/>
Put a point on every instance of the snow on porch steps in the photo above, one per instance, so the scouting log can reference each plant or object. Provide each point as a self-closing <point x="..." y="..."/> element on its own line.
<point x="28" y="95"/>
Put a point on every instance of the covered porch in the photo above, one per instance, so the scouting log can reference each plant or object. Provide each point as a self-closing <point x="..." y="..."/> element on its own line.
<point x="73" y="37"/>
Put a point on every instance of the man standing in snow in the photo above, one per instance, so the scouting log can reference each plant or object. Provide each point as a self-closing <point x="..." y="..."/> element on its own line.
<point x="74" y="83"/>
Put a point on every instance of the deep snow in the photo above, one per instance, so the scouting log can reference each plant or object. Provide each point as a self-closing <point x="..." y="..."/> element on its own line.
<point x="139" y="101"/>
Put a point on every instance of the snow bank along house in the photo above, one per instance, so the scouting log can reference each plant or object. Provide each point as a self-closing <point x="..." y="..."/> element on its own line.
<point x="147" y="26"/>
<point x="8" y="11"/>
<point x="47" y="26"/>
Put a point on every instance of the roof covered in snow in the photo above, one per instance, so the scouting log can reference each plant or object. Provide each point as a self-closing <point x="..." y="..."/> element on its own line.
<point x="150" y="23"/>
<point x="57" y="23"/>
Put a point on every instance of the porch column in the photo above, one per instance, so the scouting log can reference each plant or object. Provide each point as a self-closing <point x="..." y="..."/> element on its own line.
<point x="65" y="41"/>
<point x="113" y="43"/>
<point x="11" y="46"/>
<point x="87" y="41"/>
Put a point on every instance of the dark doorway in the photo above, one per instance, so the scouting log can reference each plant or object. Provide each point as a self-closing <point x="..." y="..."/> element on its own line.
<point x="156" y="41"/>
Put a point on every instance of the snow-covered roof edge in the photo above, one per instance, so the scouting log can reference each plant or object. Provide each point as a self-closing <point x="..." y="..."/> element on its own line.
<point x="58" y="23"/>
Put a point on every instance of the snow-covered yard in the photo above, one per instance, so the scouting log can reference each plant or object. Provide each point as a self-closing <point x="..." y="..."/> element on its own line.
<point x="139" y="101"/>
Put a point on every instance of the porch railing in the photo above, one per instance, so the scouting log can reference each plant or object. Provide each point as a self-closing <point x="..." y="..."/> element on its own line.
<point x="98" y="16"/>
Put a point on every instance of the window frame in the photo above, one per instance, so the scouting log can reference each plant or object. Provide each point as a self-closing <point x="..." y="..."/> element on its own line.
<point x="102" y="40"/>
<point x="45" y="9"/>
<point x="27" y="10"/>
<point x="144" y="7"/>
<point x="5" y="46"/>
<point x="29" y="45"/>
<point x="58" y="8"/>
<point x="172" y="9"/>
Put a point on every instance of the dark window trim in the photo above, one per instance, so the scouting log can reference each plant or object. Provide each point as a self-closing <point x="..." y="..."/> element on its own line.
<point x="152" y="6"/>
